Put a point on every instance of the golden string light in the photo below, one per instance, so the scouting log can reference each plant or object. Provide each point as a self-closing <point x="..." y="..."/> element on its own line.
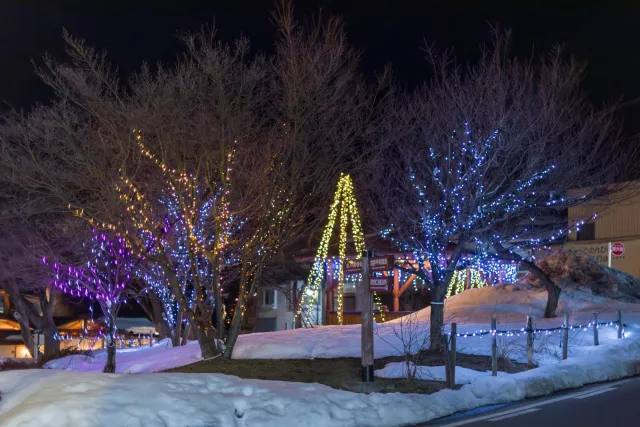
<point x="343" y="204"/>
<point x="458" y="282"/>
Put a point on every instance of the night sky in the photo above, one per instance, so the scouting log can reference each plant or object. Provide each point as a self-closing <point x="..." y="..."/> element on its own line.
<point x="606" y="36"/>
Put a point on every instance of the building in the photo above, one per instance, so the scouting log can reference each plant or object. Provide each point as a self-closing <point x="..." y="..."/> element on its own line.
<point x="613" y="238"/>
<point x="11" y="344"/>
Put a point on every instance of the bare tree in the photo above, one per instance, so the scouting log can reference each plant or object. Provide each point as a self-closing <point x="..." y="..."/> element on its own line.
<point x="482" y="161"/>
<point x="23" y="243"/>
<point x="293" y="121"/>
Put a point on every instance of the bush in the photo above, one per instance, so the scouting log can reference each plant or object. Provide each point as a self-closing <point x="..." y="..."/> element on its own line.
<point x="14" y="364"/>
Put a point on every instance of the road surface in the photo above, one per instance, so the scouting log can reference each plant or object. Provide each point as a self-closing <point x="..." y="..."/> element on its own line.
<point x="608" y="404"/>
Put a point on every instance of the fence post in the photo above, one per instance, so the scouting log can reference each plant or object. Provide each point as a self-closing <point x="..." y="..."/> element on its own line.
<point x="494" y="348"/>
<point x="595" y="329"/>
<point x="36" y="344"/>
<point x="452" y="353"/>
<point x="619" y="324"/>
<point x="565" y="337"/>
<point x="447" y="358"/>
<point x="529" y="331"/>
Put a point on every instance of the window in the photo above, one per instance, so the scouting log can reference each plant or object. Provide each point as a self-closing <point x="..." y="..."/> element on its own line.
<point x="269" y="298"/>
<point x="587" y="231"/>
<point x="1" y="304"/>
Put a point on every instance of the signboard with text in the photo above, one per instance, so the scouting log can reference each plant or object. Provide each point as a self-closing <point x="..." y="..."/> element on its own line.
<point x="600" y="251"/>
<point x="379" y="263"/>
<point x="380" y="284"/>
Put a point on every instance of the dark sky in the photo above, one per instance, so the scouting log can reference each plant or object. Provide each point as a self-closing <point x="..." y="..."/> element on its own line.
<point x="606" y="35"/>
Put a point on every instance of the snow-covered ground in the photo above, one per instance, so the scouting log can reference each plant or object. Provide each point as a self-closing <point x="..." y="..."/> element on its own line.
<point x="58" y="398"/>
<point x="136" y="360"/>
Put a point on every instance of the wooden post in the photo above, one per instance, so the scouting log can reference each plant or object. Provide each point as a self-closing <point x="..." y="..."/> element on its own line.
<point x="595" y="329"/>
<point x="619" y="324"/>
<point x="452" y="354"/>
<point x="565" y="337"/>
<point x="447" y="359"/>
<point x="36" y="344"/>
<point x="494" y="347"/>
<point x="396" y="289"/>
<point x="367" y="320"/>
<point x="467" y="279"/>
<point x="529" y="330"/>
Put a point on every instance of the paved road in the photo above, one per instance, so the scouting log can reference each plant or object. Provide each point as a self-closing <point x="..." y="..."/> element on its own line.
<point x="611" y="404"/>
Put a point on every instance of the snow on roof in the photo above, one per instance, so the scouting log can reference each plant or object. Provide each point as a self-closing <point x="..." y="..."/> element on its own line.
<point x="135" y="325"/>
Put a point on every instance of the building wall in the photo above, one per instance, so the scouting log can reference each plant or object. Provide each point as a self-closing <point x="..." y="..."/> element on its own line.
<point x="10" y="351"/>
<point x="282" y="315"/>
<point x="618" y="219"/>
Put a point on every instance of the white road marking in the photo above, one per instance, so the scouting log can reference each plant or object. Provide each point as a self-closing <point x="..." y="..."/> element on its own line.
<point x="535" y="405"/>
<point x="513" y="415"/>
<point x="604" y="390"/>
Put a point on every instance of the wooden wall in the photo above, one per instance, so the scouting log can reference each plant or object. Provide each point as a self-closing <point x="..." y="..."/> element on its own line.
<point x="354" y="318"/>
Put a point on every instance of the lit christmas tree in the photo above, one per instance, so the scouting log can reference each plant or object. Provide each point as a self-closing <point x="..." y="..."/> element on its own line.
<point x="105" y="278"/>
<point x="344" y="210"/>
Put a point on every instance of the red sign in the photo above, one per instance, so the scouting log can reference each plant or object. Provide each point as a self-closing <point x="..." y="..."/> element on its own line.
<point x="617" y="249"/>
<point x="380" y="284"/>
<point x="379" y="263"/>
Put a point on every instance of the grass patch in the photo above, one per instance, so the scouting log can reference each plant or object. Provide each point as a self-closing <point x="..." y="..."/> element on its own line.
<point x="338" y="373"/>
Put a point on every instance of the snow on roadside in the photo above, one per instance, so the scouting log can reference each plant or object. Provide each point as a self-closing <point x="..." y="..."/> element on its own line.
<point x="57" y="398"/>
<point x="433" y="373"/>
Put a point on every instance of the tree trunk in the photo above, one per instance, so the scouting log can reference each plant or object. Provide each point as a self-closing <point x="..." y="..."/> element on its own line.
<point x="176" y="335"/>
<point x="206" y="339"/>
<point x="110" y="366"/>
<point x="217" y="293"/>
<point x="234" y="328"/>
<point x="553" y="296"/>
<point x="51" y="345"/>
<point x="25" y="332"/>
<point x="21" y="313"/>
<point x="437" y="321"/>
<point x="185" y="334"/>
<point x="553" y="290"/>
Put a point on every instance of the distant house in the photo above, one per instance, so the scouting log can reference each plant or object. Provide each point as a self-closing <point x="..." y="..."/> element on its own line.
<point x="613" y="238"/>
<point x="75" y="328"/>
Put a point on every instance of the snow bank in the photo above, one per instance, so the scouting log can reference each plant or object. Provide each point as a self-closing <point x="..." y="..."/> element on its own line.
<point x="55" y="398"/>
<point x="433" y="373"/>
<point x="160" y="357"/>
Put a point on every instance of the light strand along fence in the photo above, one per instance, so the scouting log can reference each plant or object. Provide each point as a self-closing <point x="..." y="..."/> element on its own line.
<point x="449" y="340"/>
